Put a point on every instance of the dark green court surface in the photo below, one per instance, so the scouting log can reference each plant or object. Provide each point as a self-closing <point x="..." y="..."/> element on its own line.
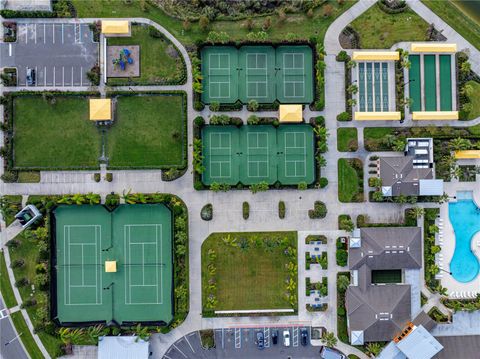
<point x="138" y="239"/>
<point x="386" y="276"/>
<point x="253" y="154"/>
<point x="259" y="73"/>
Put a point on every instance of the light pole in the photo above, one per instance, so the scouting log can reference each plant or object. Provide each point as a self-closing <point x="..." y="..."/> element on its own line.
<point x="12" y="340"/>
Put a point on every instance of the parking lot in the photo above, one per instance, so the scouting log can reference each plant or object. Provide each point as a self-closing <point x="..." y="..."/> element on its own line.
<point x="60" y="53"/>
<point x="241" y="343"/>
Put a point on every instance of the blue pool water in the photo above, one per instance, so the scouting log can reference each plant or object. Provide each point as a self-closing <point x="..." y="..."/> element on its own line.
<point x="465" y="218"/>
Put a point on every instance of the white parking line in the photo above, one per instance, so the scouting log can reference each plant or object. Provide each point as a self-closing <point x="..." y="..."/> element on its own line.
<point x="26" y="34"/>
<point x="179" y="350"/>
<point x="53" y="75"/>
<point x="44" y="33"/>
<point x="63" y="75"/>
<point x="53" y="33"/>
<point x="36" y="76"/>
<point x="35" y="33"/>
<point x="190" y="345"/>
<point x="9" y="49"/>
<point x="81" y="76"/>
<point x="72" y="77"/>
<point x="45" y="76"/>
<point x="62" y="34"/>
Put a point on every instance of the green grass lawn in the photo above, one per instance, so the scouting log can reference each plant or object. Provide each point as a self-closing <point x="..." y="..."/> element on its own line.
<point x="57" y="135"/>
<point x="373" y="137"/>
<point x="28" y="251"/>
<point x="349" y="184"/>
<point x="347" y="140"/>
<point x="252" y="272"/>
<point x="474" y="100"/>
<point x="299" y="25"/>
<point x="148" y="132"/>
<point x="5" y="286"/>
<point x="156" y="65"/>
<point x="26" y="337"/>
<point x="454" y="17"/>
<point x="379" y="30"/>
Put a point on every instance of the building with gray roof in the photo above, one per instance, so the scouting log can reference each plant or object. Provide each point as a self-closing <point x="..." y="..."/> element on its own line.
<point x="378" y="309"/>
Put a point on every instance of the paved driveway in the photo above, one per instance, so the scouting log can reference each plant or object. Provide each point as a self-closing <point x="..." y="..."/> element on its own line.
<point x="240" y="343"/>
<point x="61" y="54"/>
<point x="14" y="350"/>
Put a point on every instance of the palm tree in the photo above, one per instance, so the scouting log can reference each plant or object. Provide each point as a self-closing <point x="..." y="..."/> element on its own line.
<point x="459" y="144"/>
<point x="377" y="196"/>
<point x="343" y="282"/>
<point x="374" y="349"/>
<point x="329" y="339"/>
<point x="94" y="332"/>
<point x="467" y="90"/>
<point x="417" y="212"/>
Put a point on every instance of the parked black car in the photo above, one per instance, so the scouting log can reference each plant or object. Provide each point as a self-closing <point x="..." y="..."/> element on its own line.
<point x="30" y="76"/>
<point x="304" y="335"/>
<point x="275" y="337"/>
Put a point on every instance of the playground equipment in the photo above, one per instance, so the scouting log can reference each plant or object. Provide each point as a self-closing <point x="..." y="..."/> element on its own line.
<point x="123" y="59"/>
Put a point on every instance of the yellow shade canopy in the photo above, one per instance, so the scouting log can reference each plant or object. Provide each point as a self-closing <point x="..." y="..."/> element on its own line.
<point x="291" y="113"/>
<point x="110" y="266"/>
<point x="433" y="47"/>
<point x="468" y="154"/>
<point x="435" y="115"/>
<point x="100" y="109"/>
<point x="375" y="56"/>
<point x="378" y="116"/>
<point x="117" y="27"/>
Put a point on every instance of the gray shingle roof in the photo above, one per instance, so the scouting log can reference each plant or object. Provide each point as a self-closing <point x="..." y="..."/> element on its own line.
<point x="399" y="174"/>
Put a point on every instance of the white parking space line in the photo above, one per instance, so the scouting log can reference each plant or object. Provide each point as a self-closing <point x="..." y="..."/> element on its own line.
<point x="44" y="33"/>
<point x="63" y="75"/>
<point x="81" y="76"/>
<point x="179" y="351"/>
<point x="53" y="33"/>
<point x="9" y="49"/>
<point x="35" y="33"/>
<point x="72" y="77"/>
<point x="26" y="34"/>
<point x="166" y="356"/>
<point x="190" y="345"/>
<point x="36" y="76"/>
<point x="53" y="75"/>
<point x="62" y="35"/>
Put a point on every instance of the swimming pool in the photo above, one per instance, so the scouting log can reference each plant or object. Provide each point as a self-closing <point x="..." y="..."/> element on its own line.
<point x="465" y="218"/>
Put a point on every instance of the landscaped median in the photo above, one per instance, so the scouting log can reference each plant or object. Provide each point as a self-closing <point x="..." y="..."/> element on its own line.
<point x="146" y="131"/>
<point x="350" y="180"/>
<point x="249" y="273"/>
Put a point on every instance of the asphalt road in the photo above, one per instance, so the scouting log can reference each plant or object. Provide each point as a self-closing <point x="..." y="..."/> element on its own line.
<point x="14" y="350"/>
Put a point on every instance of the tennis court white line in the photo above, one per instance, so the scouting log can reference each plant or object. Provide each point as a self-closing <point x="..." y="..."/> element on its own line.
<point x="67" y="239"/>
<point x="128" y="299"/>
<point x="210" y="74"/>
<point x="293" y="82"/>
<point x="247" y="74"/>
<point x="304" y="161"/>
<point x="220" y="162"/>
<point x="257" y="162"/>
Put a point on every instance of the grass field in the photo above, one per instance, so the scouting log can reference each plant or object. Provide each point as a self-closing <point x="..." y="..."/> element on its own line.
<point x="26" y="337"/>
<point x="347" y="140"/>
<point x="299" y="25"/>
<point x="68" y="139"/>
<point x="148" y="132"/>
<point x="373" y="137"/>
<point x="349" y="184"/>
<point x="28" y="251"/>
<point x="454" y="17"/>
<point x="251" y="271"/>
<point x="156" y="65"/>
<point x="5" y="286"/>
<point x="379" y="30"/>
<point x="474" y="100"/>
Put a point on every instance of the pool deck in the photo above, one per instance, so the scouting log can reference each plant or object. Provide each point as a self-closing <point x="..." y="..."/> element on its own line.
<point x="456" y="289"/>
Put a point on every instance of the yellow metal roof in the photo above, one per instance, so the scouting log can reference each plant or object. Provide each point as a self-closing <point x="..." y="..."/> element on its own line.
<point x="100" y="109"/>
<point x="121" y="27"/>
<point x="435" y="115"/>
<point x="110" y="266"/>
<point x="291" y="113"/>
<point x="467" y="154"/>
<point x="377" y="116"/>
<point x="375" y="55"/>
<point x="433" y="47"/>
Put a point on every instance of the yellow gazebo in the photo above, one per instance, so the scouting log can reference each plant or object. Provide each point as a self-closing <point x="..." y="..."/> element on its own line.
<point x="291" y="113"/>
<point x="100" y="109"/>
<point x="110" y="266"/>
<point x="116" y="27"/>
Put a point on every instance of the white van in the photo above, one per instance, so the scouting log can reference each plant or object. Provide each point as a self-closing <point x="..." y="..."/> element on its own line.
<point x="286" y="338"/>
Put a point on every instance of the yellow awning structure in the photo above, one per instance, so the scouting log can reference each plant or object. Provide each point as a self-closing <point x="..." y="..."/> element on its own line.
<point x="110" y="266"/>
<point x="433" y="47"/>
<point x="378" y="116"/>
<point x="375" y="56"/>
<point x="291" y="113"/>
<point x="468" y="154"/>
<point x="117" y="27"/>
<point x="435" y="115"/>
<point x="100" y="109"/>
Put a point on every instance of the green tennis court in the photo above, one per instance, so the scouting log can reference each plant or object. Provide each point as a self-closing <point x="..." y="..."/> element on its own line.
<point x="259" y="73"/>
<point x="113" y="265"/>
<point x="253" y="154"/>
<point x="415" y="88"/>
<point x="445" y="82"/>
